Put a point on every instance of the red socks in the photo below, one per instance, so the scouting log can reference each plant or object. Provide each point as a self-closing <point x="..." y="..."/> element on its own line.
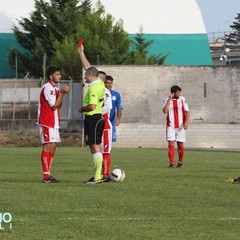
<point x="46" y="159"/>
<point x="50" y="160"/>
<point x="106" y="165"/>
<point x="45" y="168"/>
<point x="171" y="154"/>
<point x="180" y="153"/>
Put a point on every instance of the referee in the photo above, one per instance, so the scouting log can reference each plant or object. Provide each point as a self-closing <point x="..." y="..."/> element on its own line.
<point x="94" y="122"/>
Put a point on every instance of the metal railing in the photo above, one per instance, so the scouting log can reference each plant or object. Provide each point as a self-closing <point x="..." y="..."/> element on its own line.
<point x="20" y="101"/>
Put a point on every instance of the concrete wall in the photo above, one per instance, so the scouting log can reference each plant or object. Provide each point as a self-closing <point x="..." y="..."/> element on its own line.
<point x="20" y="83"/>
<point x="214" y="136"/>
<point x="31" y="126"/>
<point x="213" y="94"/>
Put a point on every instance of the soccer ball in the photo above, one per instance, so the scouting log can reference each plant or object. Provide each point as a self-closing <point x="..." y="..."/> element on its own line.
<point x="117" y="175"/>
<point x="123" y="175"/>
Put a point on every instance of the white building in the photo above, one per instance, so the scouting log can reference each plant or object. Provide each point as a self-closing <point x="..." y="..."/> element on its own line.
<point x="176" y="26"/>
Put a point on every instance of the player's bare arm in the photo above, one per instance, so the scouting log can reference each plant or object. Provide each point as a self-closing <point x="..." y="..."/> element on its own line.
<point x="86" y="64"/>
<point x="65" y="89"/>
<point x="186" y="122"/>
<point x="119" y="115"/>
<point x="88" y="108"/>
<point x="166" y="108"/>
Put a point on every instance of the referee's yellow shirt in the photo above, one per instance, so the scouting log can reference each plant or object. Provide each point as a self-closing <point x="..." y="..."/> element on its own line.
<point x="95" y="95"/>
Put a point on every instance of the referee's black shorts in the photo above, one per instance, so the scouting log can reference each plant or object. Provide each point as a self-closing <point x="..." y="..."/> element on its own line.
<point x="93" y="129"/>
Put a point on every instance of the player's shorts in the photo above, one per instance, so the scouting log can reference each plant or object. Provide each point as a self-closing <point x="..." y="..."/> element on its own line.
<point x="93" y="129"/>
<point x="49" y="135"/>
<point x="114" y="133"/>
<point x="175" y="134"/>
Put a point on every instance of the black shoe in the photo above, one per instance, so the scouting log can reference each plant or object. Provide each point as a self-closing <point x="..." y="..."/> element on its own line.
<point x="179" y="165"/>
<point x="171" y="165"/>
<point x="107" y="179"/>
<point x="236" y="180"/>
<point x="93" y="181"/>
<point x="50" y="180"/>
<point x="89" y="180"/>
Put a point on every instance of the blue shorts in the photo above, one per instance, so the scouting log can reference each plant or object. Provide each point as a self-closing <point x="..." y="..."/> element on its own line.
<point x="114" y="133"/>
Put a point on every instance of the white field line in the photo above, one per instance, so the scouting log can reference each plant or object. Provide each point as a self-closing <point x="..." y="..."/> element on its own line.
<point x="151" y="219"/>
<point x="139" y="219"/>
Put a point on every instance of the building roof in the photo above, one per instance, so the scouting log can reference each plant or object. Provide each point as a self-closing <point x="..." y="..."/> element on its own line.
<point x="175" y="26"/>
<point x="183" y="49"/>
<point x="157" y="16"/>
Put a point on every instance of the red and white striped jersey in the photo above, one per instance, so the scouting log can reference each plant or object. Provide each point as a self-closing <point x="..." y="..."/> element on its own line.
<point x="107" y="106"/>
<point x="46" y="115"/>
<point x="176" y="113"/>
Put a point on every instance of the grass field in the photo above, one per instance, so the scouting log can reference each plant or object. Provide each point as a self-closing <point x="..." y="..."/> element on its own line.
<point x="153" y="202"/>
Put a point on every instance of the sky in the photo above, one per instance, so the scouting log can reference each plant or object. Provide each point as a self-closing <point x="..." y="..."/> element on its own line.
<point x="217" y="15"/>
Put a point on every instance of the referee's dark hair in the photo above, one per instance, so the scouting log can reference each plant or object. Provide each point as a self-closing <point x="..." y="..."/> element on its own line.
<point x="175" y="88"/>
<point x="93" y="71"/>
<point x="52" y="70"/>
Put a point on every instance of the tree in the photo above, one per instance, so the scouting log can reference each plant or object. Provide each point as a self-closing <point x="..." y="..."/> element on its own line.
<point x="234" y="37"/>
<point x="140" y="49"/>
<point x="54" y="29"/>
<point x="105" y="42"/>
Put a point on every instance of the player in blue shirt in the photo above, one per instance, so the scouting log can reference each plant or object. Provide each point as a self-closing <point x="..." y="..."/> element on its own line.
<point x="117" y="107"/>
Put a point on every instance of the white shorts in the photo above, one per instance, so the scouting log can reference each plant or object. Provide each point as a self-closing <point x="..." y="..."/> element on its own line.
<point x="48" y="135"/>
<point x="176" y="134"/>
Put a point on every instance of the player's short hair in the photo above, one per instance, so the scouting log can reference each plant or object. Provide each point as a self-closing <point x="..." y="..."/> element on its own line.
<point x="51" y="70"/>
<point x="103" y="74"/>
<point x="109" y="78"/>
<point x="93" y="71"/>
<point x="175" y="88"/>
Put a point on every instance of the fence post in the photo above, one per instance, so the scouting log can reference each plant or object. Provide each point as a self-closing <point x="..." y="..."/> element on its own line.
<point x="15" y="97"/>
<point x="29" y="100"/>
<point x="1" y="101"/>
<point x="70" y="100"/>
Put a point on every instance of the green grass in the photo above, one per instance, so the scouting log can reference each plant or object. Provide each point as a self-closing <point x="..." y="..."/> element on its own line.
<point x="153" y="202"/>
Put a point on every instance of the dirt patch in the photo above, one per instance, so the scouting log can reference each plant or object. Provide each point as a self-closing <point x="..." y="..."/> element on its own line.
<point x="31" y="139"/>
